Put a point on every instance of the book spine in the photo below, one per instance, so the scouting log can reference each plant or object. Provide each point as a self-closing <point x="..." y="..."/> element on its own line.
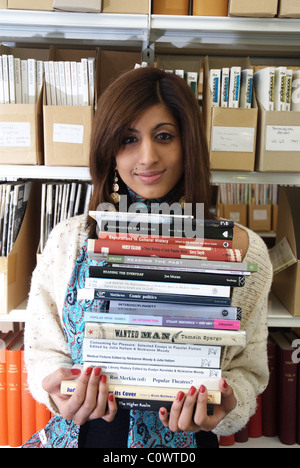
<point x="280" y="89"/>
<point x="5" y="79"/>
<point x="155" y="320"/>
<point x="288" y="94"/>
<point x="216" y="243"/>
<point x="246" y="89"/>
<point x="148" y="308"/>
<point x="18" y="80"/>
<point x="164" y="334"/>
<point x="215" y="86"/>
<point x="150" y="353"/>
<point x="169" y="262"/>
<point x="11" y="79"/>
<point x="234" y="87"/>
<point x="225" y="87"/>
<point x="157" y="287"/>
<point x="32" y="73"/>
<point x="1" y="82"/>
<point x="167" y="276"/>
<point x="206" y="253"/>
<point x="89" y="294"/>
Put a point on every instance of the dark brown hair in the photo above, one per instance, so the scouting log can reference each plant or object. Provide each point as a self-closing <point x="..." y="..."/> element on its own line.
<point x="121" y="104"/>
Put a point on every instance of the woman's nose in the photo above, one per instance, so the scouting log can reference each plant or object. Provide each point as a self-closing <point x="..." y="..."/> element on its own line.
<point x="148" y="153"/>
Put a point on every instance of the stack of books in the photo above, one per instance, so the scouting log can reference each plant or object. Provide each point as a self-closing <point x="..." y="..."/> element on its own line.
<point x="231" y="87"/>
<point x="167" y="309"/>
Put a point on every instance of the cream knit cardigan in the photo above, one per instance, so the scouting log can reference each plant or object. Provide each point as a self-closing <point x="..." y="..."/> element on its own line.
<point x="245" y="369"/>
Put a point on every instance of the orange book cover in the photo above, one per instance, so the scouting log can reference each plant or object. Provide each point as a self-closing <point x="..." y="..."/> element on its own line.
<point x="13" y="375"/>
<point x="5" y="338"/>
<point x="43" y="416"/>
<point x="28" y="404"/>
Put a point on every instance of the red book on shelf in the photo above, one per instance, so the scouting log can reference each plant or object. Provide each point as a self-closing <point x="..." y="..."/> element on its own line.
<point x="116" y="247"/>
<point x="226" y="441"/>
<point x="5" y="339"/>
<point x="13" y="374"/>
<point x="42" y="415"/>
<point x="28" y="405"/>
<point x="269" y="400"/>
<point x="255" y="422"/>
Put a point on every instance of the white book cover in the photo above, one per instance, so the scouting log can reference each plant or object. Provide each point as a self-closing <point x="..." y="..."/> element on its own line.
<point x="215" y="86"/>
<point x="280" y="89"/>
<point x="1" y="82"/>
<point x="62" y="80"/>
<point x="74" y="84"/>
<point x="225" y="77"/>
<point x="264" y="81"/>
<point x="84" y="82"/>
<point x="24" y="78"/>
<point x="91" y="75"/>
<point x="246" y="89"/>
<point x="32" y="81"/>
<point x="52" y="83"/>
<point x="5" y="79"/>
<point x="47" y="83"/>
<point x="192" y="81"/>
<point x="39" y="77"/>
<point x="57" y="84"/>
<point x="288" y="92"/>
<point x="18" y="81"/>
<point x="234" y="87"/>
<point x="11" y="79"/>
<point x="68" y="83"/>
<point x="295" y="105"/>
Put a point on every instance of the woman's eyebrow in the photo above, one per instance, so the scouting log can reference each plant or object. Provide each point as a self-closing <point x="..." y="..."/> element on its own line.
<point x="134" y="130"/>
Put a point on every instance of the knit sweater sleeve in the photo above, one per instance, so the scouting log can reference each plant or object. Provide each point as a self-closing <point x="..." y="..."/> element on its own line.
<point x="246" y="369"/>
<point x="46" y="349"/>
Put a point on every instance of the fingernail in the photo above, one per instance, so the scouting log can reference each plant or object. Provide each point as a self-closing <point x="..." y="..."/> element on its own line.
<point x="192" y="391"/>
<point x="103" y="378"/>
<point x="180" y="395"/>
<point x="111" y="397"/>
<point x="97" y="371"/>
<point x="75" y="371"/>
<point x="88" y="371"/>
<point x="225" y="384"/>
<point x="202" y="389"/>
<point x="162" y="412"/>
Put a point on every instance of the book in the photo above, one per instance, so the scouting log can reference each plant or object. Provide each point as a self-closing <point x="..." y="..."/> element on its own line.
<point x="167" y="275"/>
<point x="270" y="395"/>
<point x="164" y="334"/>
<point x="147" y="308"/>
<point x="154" y="353"/>
<point x="28" y="421"/>
<point x="5" y="339"/>
<point x="246" y="89"/>
<point x="160" y="250"/>
<point x="264" y="83"/>
<point x="89" y="294"/>
<point x="215" y="86"/>
<point x="234" y="87"/>
<point x="280" y="89"/>
<point x="225" y="87"/>
<point x="160" y="320"/>
<point x="288" y="93"/>
<point x="157" y="287"/>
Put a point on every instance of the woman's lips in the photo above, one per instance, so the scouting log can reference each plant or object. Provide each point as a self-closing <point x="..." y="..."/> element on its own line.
<point x="150" y="177"/>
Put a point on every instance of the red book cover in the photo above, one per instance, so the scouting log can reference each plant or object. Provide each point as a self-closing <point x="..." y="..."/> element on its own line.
<point x="115" y="247"/>
<point x="227" y="441"/>
<point x="166" y="240"/>
<point x="13" y="375"/>
<point x="270" y="395"/>
<point x="255" y="422"/>
<point x="42" y="415"/>
<point x="5" y="339"/>
<point x="28" y="405"/>
<point x="242" y="436"/>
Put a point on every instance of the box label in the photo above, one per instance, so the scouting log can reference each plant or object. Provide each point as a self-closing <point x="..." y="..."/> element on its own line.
<point x="260" y="215"/>
<point x="66" y="133"/>
<point x="15" y="134"/>
<point x="282" y="138"/>
<point x="233" y="139"/>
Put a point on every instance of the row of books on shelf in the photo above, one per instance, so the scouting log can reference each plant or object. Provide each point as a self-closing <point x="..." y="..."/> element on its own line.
<point x="277" y="414"/>
<point x="247" y="194"/>
<point x="68" y="83"/>
<point x="20" y="415"/>
<point x="158" y="308"/>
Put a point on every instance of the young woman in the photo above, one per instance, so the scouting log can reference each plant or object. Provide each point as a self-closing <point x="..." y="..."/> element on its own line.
<point x="148" y="135"/>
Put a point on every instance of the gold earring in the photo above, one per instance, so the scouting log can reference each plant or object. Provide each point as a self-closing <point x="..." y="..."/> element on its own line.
<point x="115" y="195"/>
<point x="182" y="201"/>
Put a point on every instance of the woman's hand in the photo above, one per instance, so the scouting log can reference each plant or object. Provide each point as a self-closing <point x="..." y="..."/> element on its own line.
<point x="90" y="399"/>
<point x="184" y="416"/>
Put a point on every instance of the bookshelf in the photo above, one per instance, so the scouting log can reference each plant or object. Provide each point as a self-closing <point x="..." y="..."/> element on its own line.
<point x="261" y="38"/>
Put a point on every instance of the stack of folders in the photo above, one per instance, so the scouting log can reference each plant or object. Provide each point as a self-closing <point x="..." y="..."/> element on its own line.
<point x="278" y="88"/>
<point x="158" y="307"/>
<point x="231" y="87"/>
<point x="67" y="82"/>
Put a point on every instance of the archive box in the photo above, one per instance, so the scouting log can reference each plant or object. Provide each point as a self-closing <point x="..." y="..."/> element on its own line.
<point x="254" y="8"/>
<point x="21" y="140"/>
<point x="231" y="132"/>
<point x="3" y="4"/>
<point x="260" y="217"/>
<point x="289" y="9"/>
<point x="236" y="212"/>
<point x="86" y="6"/>
<point x="286" y="284"/>
<point x="30" y="4"/>
<point x="170" y="7"/>
<point x="141" y="7"/>
<point x="16" y="268"/>
<point x="210" y="7"/>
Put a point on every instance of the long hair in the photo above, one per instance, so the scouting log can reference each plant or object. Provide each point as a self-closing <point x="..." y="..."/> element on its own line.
<point x="121" y="104"/>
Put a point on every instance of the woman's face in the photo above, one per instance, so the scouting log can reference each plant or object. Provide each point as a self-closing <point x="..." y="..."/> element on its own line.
<point x="150" y="160"/>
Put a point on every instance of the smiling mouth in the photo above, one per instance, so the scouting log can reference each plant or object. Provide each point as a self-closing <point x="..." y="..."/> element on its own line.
<point x="150" y="177"/>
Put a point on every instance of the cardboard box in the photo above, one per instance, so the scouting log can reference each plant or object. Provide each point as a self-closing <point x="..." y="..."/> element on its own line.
<point x="210" y="7"/>
<point x="278" y="147"/>
<point x="254" y="8"/>
<point x="141" y="7"/>
<point x="259" y="217"/>
<point x="30" y="5"/>
<point x="21" y="140"/>
<point x="237" y="213"/>
<point x="170" y="7"/>
<point x="286" y="284"/>
<point x="67" y="129"/>
<point x="3" y="4"/>
<point x="86" y="6"/>
<point x="17" y="267"/>
<point x="289" y="9"/>
<point x="231" y="133"/>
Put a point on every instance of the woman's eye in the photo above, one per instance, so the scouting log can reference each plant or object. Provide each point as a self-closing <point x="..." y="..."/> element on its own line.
<point x="164" y="136"/>
<point x="129" y="140"/>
